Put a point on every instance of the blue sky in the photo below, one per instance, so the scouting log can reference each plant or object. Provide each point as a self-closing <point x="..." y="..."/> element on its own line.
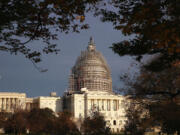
<point x="17" y="74"/>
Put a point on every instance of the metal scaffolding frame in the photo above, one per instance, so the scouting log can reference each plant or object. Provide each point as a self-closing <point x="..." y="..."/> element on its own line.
<point x="90" y="71"/>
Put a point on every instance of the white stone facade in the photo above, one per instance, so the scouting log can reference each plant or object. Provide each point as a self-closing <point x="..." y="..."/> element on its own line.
<point x="111" y="106"/>
<point x="11" y="101"/>
<point x="80" y="104"/>
<point x="90" y="89"/>
<point x="53" y="103"/>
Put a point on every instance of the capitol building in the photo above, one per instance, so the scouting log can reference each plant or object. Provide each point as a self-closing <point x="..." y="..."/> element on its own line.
<point x="90" y="89"/>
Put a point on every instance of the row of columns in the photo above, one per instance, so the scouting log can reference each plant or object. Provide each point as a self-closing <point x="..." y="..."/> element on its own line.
<point x="30" y="105"/>
<point x="8" y="103"/>
<point x="105" y="104"/>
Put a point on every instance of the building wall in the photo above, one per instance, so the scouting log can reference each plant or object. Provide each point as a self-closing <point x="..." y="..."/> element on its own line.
<point x="31" y="103"/>
<point x="53" y="103"/>
<point x="80" y="104"/>
<point x="109" y="105"/>
<point x="11" y="101"/>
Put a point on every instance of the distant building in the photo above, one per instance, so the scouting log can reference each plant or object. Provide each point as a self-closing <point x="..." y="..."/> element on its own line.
<point x="31" y="103"/>
<point x="90" y="89"/>
<point x="82" y="104"/>
<point x="53" y="103"/>
<point x="10" y="101"/>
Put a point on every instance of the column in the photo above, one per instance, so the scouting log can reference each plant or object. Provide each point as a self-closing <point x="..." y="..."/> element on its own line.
<point x="118" y="105"/>
<point x="95" y="104"/>
<point x="89" y="104"/>
<point x="16" y="103"/>
<point x="9" y="104"/>
<point x="92" y="104"/>
<point x="108" y="105"/>
<point x="98" y="105"/>
<point x="105" y="104"/>
<point x="102" y="104"/>
<point x="13" y="103"/>
<point x="115" y="105"/>
<point x="111" y="105"/>
<point x="27" y="106"/>
<point x="5" y="104"/>
<point x="0" y="104"/>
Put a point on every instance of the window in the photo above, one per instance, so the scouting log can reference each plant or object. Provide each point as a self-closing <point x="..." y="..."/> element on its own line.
<point x="108" y="123"/>
<point x="114" y="122"/>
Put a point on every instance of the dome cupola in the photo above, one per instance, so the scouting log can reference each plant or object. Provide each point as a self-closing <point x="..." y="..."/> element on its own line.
<point x="90" y="71"/>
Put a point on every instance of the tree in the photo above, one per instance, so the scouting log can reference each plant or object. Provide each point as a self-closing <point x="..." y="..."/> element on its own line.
<point x="16" y="123"/>
<point x="95" y="125"/>
<point x="3" y="117"/>
<point x="26" y="21"/>
<point x="154" y="27"/>
<point x="166" y="114"/>
<point x="158" y="94"/>
<point x="41" y="121"/>
<point x="138" y="118"/>
<point x="65" y="125"/>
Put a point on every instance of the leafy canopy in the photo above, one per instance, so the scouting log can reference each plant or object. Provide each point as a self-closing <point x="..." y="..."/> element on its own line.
<point x="154" y="26"/>
<point x="158" y="95"/>
<point x="23" y="21"/>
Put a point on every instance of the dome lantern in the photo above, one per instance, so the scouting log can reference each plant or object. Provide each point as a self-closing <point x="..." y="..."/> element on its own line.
<point x="91" y="45"/>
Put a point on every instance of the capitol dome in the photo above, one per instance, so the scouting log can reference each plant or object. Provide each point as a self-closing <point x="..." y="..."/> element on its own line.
<point x="90" y="71"/>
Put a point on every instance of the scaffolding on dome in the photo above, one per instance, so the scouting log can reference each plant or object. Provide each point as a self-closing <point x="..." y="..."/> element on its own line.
<point x="90" y="71"/>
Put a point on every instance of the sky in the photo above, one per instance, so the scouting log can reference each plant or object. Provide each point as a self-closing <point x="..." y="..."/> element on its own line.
<point x="18" y="74"/>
